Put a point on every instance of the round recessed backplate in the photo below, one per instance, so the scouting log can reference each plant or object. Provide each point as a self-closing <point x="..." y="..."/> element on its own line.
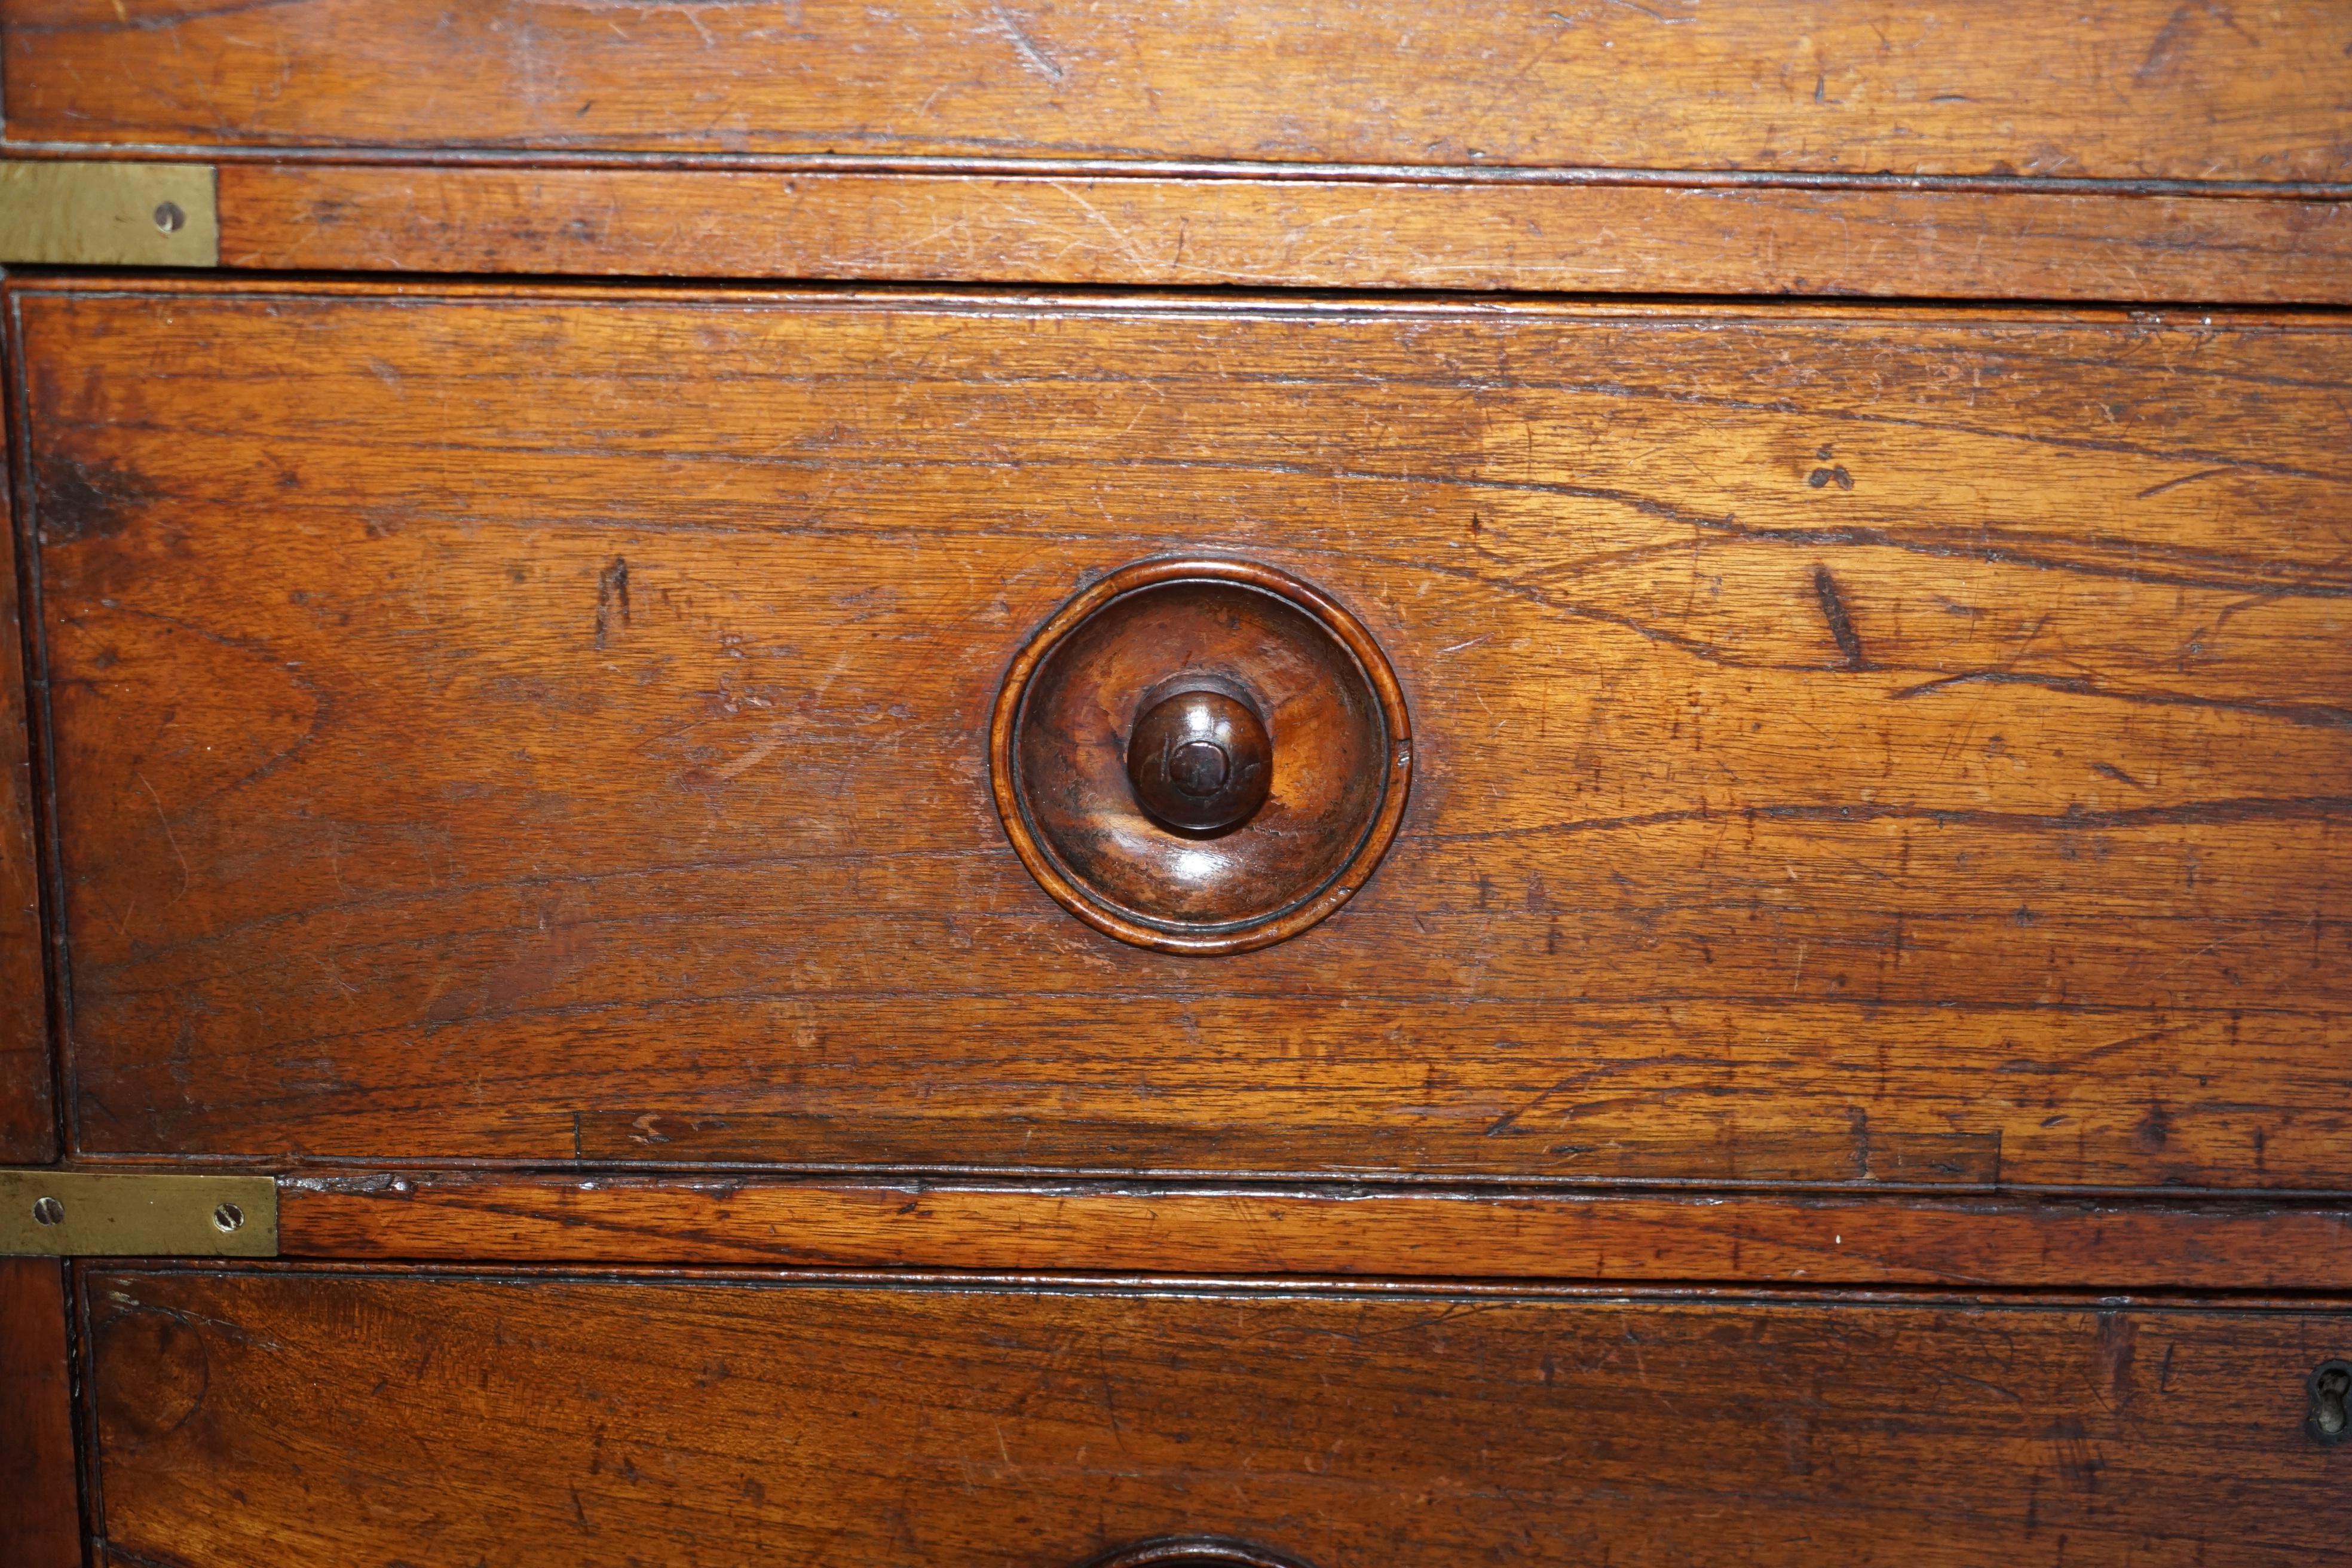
<point x="1201" y="755"/>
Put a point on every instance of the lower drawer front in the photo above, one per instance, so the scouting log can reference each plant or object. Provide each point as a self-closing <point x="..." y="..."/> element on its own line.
<point x="281" y="1416"/>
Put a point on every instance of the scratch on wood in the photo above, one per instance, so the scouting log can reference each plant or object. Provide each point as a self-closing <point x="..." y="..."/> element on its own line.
<point x="2312" y="715"/>
<point x="2176" y="484"/>
<point x="1028" y="48"/>
<point x="169" y="836"/>
<point x="1657" y="17"/>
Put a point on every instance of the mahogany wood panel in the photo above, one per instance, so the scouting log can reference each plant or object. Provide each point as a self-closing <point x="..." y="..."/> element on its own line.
<point x="1904" y="747"/>
<point x="28" y="1122"/>
<point x="1840" y="1240"/>
<point x="1294" y="232"/>
<point x="444" y="1421"/>
<point x="40" y="1501"/>
<point x="2129" y="89"/>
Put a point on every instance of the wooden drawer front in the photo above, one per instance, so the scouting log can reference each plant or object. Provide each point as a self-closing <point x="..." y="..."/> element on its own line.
<point x="2133" y="90"/>
<point x="1890" y="747"/>
<point x="451" y="1420"/>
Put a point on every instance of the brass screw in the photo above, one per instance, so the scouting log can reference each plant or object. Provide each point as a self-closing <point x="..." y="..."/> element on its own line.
<point x="227" y="1217"/>
<point x="48" y="1211"/>
<point x="169" y="218"/>
<point x="2330" y="1420"/>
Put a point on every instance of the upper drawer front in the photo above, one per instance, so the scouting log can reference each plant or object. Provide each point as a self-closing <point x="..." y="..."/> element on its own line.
<point x="551" y="1422"/>
<point x="2134" y="89"/>
<point x="1901" y="747"/>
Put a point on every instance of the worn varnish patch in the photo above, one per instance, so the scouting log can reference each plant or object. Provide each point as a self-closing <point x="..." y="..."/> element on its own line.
<point x="542" y="1420"/>
<point x="552" y="726"/>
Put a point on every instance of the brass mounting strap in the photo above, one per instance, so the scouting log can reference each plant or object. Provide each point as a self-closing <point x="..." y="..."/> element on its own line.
<point x="136" y="1214"/>
<point x="91" y="212"/>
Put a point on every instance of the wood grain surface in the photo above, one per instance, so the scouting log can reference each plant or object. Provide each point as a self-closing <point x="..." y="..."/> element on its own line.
<point x="1326" y="233"/>
<point x="445" y="1421"/>
<point x="2128" y="88"/>
<point x="1870" y="1240"/>
<point x="40" y="1499"/>
<point x="29" y="1121"/>
<point x="1900" y="747"/>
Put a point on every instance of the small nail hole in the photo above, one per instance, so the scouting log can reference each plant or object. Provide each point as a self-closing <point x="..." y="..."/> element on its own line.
<point x="48" y="1211"/>
<point x="169" y="218"/>
<point x="2331" y="1387"/>
<point x="227" y="1217"/>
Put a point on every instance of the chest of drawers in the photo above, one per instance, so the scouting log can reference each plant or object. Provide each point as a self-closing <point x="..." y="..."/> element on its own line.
<point x="1235" y="784"/>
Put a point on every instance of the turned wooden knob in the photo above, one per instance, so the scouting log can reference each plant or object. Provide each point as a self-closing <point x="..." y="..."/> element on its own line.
<point x="1201" y="755"/>
<point x="1200" y="760"/>
<point x="1194" y="1552"/>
